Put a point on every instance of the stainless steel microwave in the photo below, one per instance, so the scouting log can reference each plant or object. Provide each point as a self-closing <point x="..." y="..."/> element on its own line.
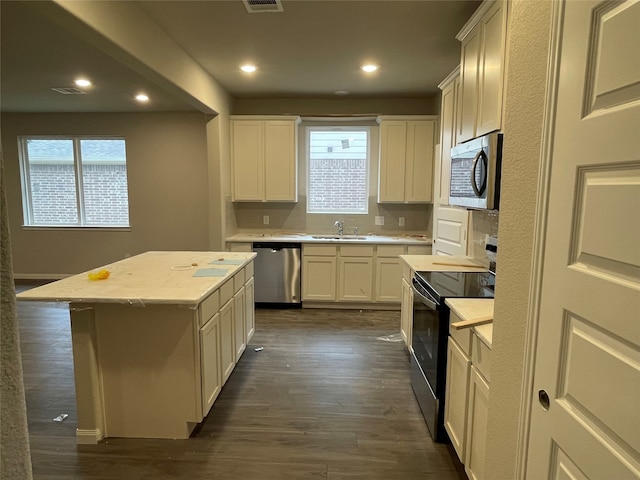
<point x="475" y="173"/>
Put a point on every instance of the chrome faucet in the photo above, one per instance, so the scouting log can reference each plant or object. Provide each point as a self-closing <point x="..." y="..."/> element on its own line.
<point x="340" y="225"/>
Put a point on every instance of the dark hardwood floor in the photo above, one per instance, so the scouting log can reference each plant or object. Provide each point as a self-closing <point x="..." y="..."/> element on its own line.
<point x="325" y="399"/>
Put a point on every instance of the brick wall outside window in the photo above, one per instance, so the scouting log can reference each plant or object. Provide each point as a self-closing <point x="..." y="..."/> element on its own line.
<point x="53" y="193"/>
<point x="338" y="170"/>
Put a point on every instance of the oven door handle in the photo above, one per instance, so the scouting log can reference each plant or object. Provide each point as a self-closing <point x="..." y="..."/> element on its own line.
<point x="428" y="301"/>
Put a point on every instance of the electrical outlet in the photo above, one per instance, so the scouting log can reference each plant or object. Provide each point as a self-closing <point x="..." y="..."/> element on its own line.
<point x="265" y="219"/>
<point x="379" y="220"/>
<point x="401" y="221"/>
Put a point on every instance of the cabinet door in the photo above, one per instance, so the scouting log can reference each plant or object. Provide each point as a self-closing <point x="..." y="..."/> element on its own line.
<point x="393" y="145"/>
<point x="319" y="278"/>
<point x="469" y="67"/>
<point x="406" y="313"/>
<point x="447" y="139"/>
<point x="210" y="362"/>
<point x="491" y="69"/>
<point x="356" y="279"/>
<point x="239" y="335"/>
<point x="249" y="311"/>
<point x="455" y="406"/>
<point x="227" y="342"/>
<point x="477" y="415"/>
<point x="450" y="226"/>
<point x="388" y="280"/>
<point x="419" y="161"/>
<point x="280" y="166"/>
<point x="247" y="160"/>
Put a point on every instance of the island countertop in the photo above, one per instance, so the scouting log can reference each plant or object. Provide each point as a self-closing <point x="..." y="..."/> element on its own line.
<point x="151" y="277"/>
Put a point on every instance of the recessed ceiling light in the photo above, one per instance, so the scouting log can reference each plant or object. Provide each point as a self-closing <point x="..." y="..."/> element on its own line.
<point x="82" y="82"/>
<point x="248" y="68"/>
<point x="369" y="68"/>
<point x="341" y="92"/>
<point x="141" y="97"/>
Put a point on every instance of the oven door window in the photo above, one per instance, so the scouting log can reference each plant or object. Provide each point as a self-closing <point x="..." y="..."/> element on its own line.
<point x="426" y="326"/>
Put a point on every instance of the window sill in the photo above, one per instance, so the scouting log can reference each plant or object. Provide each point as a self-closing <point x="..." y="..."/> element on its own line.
<point x="76" y="228"/>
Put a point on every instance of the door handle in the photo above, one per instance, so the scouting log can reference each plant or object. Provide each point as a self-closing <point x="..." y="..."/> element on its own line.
<point x="543" y="398"/>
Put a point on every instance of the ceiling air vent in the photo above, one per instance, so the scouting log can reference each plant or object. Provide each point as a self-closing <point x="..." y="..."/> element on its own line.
<point x="69" y="91"/>
<point x="261" y="6"/>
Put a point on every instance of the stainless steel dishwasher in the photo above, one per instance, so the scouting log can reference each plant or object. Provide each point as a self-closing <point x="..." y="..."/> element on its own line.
<point x="277" y="274"/>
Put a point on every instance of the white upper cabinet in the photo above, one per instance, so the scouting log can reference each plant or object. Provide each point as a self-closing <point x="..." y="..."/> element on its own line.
<point x="406" y="158"/>
<point x="264" y="165"/>
<point x="450" y="87"/>
<point x="481" y="71"/>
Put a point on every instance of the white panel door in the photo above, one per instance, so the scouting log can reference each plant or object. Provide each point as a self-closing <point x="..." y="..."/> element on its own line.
<point x="450" y="225"/>
<point x="585" y="416"/>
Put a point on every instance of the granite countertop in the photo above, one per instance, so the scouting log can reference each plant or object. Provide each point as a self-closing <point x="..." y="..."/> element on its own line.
<point x="470" y="308"/>
<point x="182" y="278"/>
<point x="399" y="239"/>
<point x="443" y="263"/>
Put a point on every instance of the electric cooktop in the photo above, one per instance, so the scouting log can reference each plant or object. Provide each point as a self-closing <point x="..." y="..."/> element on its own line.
<point x="442" y="285"/>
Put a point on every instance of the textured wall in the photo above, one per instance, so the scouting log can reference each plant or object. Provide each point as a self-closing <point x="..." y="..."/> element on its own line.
<point x="167" y="170"/>
<point x="528" y="42"/>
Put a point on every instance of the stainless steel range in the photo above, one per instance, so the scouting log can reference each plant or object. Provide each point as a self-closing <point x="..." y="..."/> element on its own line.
<point x="430" y="332"/>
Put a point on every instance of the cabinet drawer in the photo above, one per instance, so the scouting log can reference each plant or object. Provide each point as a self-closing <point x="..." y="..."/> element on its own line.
<point x="209" y="306"/>
<point x="356" y="250"/>
<point x="319" y="250"/>
<point x="238" y="280"/>
<point x="239" y="247"/>
<point x="248" y="271"/>
<point x="418" y="250"/>
<point x="226" y="291"/>
<point x="390" y="250"/>
<point x="481" y="357"/>
<point x="462" y="336"/>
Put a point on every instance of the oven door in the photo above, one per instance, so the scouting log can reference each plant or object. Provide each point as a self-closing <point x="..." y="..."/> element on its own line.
<point x="426" y="329"/>
<point x="427" y="380"/>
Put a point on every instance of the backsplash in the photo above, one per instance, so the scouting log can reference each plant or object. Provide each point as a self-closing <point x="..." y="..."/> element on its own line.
<point x="293" y="217"/>
<point x="483" y="223"/>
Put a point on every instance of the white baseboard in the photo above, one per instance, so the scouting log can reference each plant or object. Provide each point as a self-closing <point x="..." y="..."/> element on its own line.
<point x="88" y="437"/>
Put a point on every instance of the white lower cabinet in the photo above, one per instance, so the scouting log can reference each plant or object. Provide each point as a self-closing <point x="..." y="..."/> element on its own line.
<point x="249" y="311"/>
<point x="239" y="323"/>
<point x="355" y="273"/>
<point x="455" y="413"/>
<point x="319" y="278"/>
<point x="227" y="344"/>
<point x="388" y="273"/>
<point x="406" y="312"/>
<point x="210" y="361"/>
<point x="478" y="413"/>
<point x="467" y="398"/>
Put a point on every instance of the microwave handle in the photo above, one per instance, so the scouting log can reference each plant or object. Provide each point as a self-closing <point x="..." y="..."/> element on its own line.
<point x="479" y="190"/>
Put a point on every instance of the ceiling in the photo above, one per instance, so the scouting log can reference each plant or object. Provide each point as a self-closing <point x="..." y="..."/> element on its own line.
<point x="310" y="50"/>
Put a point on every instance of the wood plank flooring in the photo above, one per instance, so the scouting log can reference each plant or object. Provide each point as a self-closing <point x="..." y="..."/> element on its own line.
<point x="325" y="399"/>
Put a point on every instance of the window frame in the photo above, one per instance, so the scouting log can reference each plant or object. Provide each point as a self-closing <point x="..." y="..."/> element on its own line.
<point x="345" y="128"/>
<point x="25" y="179"/>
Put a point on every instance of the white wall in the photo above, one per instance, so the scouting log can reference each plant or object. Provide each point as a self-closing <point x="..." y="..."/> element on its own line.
<point x="528" y="43"/>
<point x="167" y="168"/>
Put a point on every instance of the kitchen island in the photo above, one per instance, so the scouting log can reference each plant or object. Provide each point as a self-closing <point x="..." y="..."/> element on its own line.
<point x="154" y="342"/>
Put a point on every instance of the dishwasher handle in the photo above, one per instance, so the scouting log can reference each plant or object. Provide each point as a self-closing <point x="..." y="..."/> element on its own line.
<point x="277" y="245"/>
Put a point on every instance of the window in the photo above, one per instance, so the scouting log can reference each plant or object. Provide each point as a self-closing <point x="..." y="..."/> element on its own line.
<point x="74" y="181"/>
<point x="338" y="169"/>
